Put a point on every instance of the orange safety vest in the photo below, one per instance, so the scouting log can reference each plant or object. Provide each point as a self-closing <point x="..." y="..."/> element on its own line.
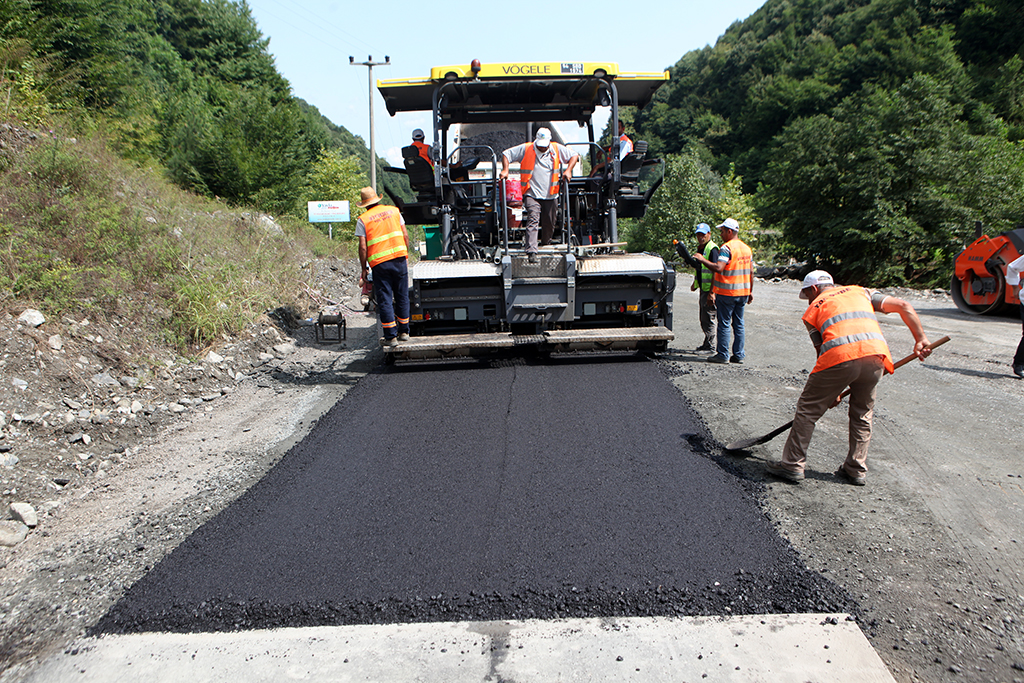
<point x="622" y="138"/>
<point x="385" y="240"/>
<point x="735" y="280"/>
<point x="424" y="151"/>
<point x="848" y="326"/>
<point x="625" y="138"/>
<point x="528" y="162"/>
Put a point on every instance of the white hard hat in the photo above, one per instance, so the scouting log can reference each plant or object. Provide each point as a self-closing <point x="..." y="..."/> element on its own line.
<point x="815" y="278"/>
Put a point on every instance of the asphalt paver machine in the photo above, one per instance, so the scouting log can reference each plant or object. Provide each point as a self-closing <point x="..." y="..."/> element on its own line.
<point x="475" y="291"/>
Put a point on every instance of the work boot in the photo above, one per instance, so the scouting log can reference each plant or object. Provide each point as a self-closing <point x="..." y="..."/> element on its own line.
<point x="718" y="358"/>
<point x="849" y="478"/>
<point x="403" y="337"/>
<point x="776" y="468"/>
<point x="388" y="341"/>
<point x="736" y="359"/>
<point x="703" y="349"/>
<point x="532" y="259"/>
<point x="1019" y="371"/>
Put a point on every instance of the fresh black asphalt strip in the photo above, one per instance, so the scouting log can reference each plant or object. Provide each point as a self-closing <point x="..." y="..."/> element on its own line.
<point x="517" y="490"/>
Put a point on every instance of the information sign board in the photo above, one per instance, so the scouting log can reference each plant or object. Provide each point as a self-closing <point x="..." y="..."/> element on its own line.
<point x="328" y="212"/>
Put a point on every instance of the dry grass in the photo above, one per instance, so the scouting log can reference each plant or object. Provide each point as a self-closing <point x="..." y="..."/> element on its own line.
<point x="83" y="232"/>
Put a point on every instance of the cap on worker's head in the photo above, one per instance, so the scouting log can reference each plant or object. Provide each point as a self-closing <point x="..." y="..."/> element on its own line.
<point x="730" y="223"/>
<point x="368" y="196"/>
<point x="417" y="134"/>
<point x="702" y="229"/>
<point x="543" y="138"/>
<point x="815" y="278"/>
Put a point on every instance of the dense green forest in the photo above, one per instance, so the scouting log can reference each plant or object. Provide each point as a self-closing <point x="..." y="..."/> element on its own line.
<point x="871" y="134"/>
<point x="866" y="136"/>
<point x="186" y="83"/>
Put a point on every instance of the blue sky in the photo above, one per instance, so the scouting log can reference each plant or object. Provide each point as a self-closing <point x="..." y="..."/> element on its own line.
<point x="311" y="41"/>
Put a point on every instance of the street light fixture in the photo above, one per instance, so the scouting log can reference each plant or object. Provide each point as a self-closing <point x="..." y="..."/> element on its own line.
<point x="369" y="63"/>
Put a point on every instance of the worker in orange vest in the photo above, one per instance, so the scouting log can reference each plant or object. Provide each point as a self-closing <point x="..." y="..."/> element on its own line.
<point x="851" y="353"/>
<point x="540" y="171"/>
<point x="733" y="287"/>
<point x="421" y="147"/>
<point x="384" y="250"/>
<point x="625" y="149"/>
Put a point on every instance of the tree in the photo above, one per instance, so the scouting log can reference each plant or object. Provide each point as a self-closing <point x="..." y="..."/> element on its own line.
<point x="884" y="191"/>
<point x="336" y="176"/>
<point x="687" y="197"/>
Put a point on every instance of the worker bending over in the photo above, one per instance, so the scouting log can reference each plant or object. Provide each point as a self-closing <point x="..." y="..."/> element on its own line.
<point x="851" y="353"/>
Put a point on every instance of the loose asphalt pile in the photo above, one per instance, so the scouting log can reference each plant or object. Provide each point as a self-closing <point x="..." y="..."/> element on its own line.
<point x="519" y="490"/>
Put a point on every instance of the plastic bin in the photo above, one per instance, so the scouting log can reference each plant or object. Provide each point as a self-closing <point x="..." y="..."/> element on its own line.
<point x="434" y="245"/>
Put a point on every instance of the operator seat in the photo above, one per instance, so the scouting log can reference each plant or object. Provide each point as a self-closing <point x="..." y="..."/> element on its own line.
<point x="629" y="168"/>
<point x="632" y="200"/>
<point x="421" y="174"/>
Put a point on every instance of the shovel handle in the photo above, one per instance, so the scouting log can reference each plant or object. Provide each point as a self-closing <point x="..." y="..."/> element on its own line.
<point x="747" y="443"/>
<point x="903" y="361"/>
<point x="933" y="345"/>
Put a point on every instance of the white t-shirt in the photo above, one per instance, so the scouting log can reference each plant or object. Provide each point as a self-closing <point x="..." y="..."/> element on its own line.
<point x="1013" y="271"/>
<point x="543" y="167"/>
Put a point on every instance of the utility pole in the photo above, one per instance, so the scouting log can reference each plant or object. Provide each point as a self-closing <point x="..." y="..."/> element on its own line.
<point x="369" y="63"/>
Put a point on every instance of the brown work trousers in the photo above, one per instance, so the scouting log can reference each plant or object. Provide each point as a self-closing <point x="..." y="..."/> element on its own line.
<point x="820" y="392"/>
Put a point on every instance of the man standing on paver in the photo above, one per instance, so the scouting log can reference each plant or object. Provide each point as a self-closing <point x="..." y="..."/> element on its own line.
<point x="384" y="248"/>
<point x="702" y="282"/>
<point x="540" y="172"/>
<point x="733" y="287"/>
<point x="851" y="353"/>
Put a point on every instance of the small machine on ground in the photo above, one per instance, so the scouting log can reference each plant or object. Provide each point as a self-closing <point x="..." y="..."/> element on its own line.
<point x="476" y="291"/>
<point x="978" y="285"/>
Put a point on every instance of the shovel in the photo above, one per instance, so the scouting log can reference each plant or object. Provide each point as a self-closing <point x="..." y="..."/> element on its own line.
<point x="743" y="444"/>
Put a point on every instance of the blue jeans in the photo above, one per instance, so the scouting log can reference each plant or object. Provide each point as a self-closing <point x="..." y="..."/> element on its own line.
<point x="730" y="314"/>
<point x="391" y="285"/>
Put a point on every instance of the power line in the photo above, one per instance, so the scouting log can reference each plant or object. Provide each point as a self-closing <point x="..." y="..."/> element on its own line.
<point x="315" y="21"/>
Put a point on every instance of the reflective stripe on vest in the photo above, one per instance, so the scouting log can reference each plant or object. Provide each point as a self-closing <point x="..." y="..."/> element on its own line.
<point x="384" y="238"/>
<point x="707" y="276"/>
<point x="530" y="160"/>
<point x="848" y="326"/>
<point x="735" y="279"/>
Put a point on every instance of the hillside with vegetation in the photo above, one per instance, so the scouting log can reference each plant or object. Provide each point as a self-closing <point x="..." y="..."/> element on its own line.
<point x="188" y="84"/>
<point x="142" y="144"/>
<point x="866" y="136"/>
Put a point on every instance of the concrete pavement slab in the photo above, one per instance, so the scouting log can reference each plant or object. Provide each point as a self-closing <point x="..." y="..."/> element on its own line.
<point x="778" y="648"/>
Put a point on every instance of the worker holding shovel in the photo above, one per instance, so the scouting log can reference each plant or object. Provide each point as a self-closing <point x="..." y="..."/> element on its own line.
<point x="851" y="353"/>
